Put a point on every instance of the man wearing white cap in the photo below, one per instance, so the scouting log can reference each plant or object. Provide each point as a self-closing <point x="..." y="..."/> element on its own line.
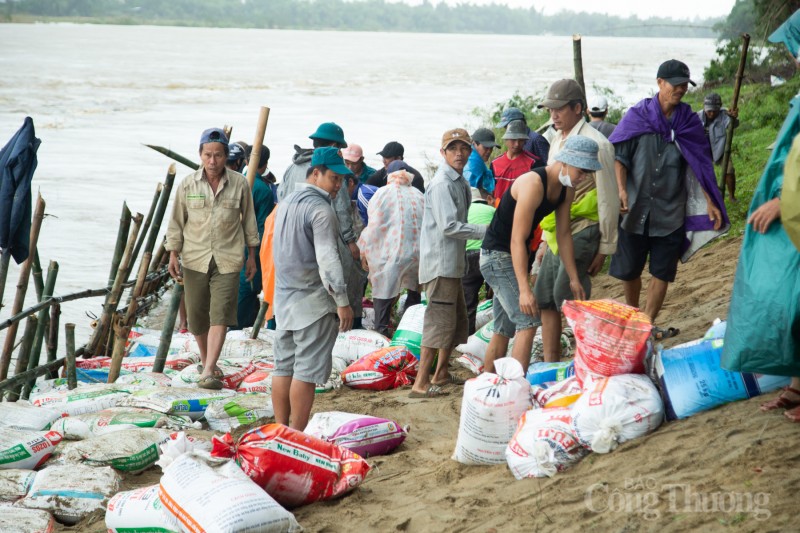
<point x="353" y="157"/>
<point x="598" y="110"/>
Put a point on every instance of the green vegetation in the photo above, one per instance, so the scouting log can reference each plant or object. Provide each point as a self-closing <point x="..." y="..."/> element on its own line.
<point x="352" y="15"/>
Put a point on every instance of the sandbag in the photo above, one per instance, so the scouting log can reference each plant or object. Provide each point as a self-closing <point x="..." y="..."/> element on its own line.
<point x="293" y="467"/>
<point x="387" y="368"/>
<point x="540" y="373"/>
<point x="237" y="346"/>
<point x="86" y="399"/>
<point x="70" y="492"/>
<point x="115" y="419"/>
<point x="352" y="345"/>
<point x="23" y="415"/>
<point x="15" y="483"/>
<point x="191" y="402"/>
<point x="19" y="520"/>
<point x="544" y="444"/>
<point x="137" y="511"/>
<point x="146" y="380"/>
<point x="175" y="361"/>
<point x="365" y="435"/>
<point x="611" y="337"/>
<point x="229" y="413"/>
<point x="483" y="314"/>
<point x="617" y="409"/>
<point x="409" y="330"/>
<point x="692" y="380"/>
<point x="233" y="370"/>
<point x="258" y="381"/>
<point x="478" y="342"/>
<point x="126" y="450"/>
<point x="26" y="449"/>
<point x="491" y="407"/>
<point x="560" y="394"/>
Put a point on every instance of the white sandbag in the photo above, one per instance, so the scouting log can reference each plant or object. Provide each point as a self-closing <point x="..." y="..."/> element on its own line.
<point x="20" y="520"/>
<point x="470" y="362"/>
<point x="146" y="380"/>
<point x="180" y="443"/>
<point x="617" y="409"/>
<point x="175" y="400"/>
<point x="368" y="318"/>
<point x="366" y="435"/>
<point x="15" y="484"/>
<point x="87" y="399"/>
<point x="483" y="314"/>
<point x="560" y="394"/>
<point x="70" y="492"/>
<point x="409" y="330"/>
<point x="224" y="415"/>
<point x="478" y="342"/>
<point x="544" y="443"/>
<point x="22" y="448"/>
<point x="352" y="345"/>
<point x="126" y="450"/>
<point x="175" y="361"/>
<point x="137" y="510"/>
<point x="264" y="334"/>
<point x="234" y="370"/>
<point x="24" y="415"/>
<point x="491" y="407"/>
<point x="48" y="385"/>
<point x="116" y="418"/>
<point x="200" y="497"/>
<point x="146" y="345"/>
<point x="237" y="347"/>
<point x="258" y="381"/>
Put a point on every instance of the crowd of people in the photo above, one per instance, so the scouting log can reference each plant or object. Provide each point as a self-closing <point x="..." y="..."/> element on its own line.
<point x="531" y="225"/>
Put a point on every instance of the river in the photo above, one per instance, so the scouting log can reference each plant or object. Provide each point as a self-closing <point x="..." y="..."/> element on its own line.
<point x="96" y="93"/>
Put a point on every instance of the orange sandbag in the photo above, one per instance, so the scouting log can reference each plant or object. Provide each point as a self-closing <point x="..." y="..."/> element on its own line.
<point x="387" y="368"/>
<point x="294" y="468"/>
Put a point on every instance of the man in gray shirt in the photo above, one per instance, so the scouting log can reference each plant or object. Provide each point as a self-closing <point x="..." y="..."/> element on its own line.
<point x="310" y="288"/>
<point x="443" y="242"/>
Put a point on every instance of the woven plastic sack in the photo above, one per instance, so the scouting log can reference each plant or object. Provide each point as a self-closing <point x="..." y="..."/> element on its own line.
<point x="387" y="368"/>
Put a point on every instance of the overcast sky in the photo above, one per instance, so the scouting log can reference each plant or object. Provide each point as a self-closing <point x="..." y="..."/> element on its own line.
<point x="683" y="9"/>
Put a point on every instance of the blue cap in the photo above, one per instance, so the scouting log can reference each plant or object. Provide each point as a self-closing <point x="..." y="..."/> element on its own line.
<point x="331" y="158"/>
<point x="580" y="152"/>
<point x="396" y="165"/>
<point x="512" y="113"/>
<point x="214" y="135"/>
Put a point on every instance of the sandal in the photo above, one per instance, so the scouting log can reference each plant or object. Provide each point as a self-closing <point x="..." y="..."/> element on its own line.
<point x="661" y="334"/>
<point x="210" y="382"/>
<point x="782" y="402"/>
<point x="432" y="392"/>
<point x="793" y="414"/>
<point x="217" y="372"/>
<point x="451" y="380"/>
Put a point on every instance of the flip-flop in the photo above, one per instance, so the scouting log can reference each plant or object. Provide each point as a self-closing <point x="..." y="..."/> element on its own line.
<point x="793" y="414"/>
<point x="217" y="372"/>
<point x="432" y="392"/>
<point x="661" y="334"/>
<point x="451" y="380"/>
<point x="210" y="382"/>
<point x="782" y="402"/>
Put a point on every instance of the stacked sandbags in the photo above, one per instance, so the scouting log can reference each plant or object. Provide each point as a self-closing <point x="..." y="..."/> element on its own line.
<point x="387" y="368"/>
<point x="350" y="346"/>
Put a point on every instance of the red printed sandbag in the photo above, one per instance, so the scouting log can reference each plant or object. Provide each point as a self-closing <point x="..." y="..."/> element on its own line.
<point x="258" y="381"/>
<point x="387" y="368"/>
<point x="611" y="337"/>
<point x="294" y="468"/>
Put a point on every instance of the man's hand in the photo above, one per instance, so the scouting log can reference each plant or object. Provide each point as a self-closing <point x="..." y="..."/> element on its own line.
<point x="765" y="215"/>
<point x="623" y="201"/>
<point x="733" y="113"/>
<point x="356" y="253"/>
<point x="597" y="264"/>
<point x="345" y="318"/>
<point x="364" y="265"/>
<point x="174" y="267"/>
<point x="527" y="303"/>
<point x="250" y="268"/>
<point x="714" y="214"/>
<point x="577" y="289"/>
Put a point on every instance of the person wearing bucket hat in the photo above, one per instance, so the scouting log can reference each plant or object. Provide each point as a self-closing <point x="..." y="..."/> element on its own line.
<point x="535" y="143"/>
<point x="311" y="293"/>
<point x="716" y="121"/>
<point x="594" y="211"/>
<point x="212" y="222"/>
<point x="477" y="172"/>
<point x="515" y="161"/>
<point x="506" y="246"/>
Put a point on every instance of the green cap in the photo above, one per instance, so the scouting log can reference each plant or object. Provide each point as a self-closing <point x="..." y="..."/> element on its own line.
<point x="330" y="131"/>
<point x="331" y="158"/>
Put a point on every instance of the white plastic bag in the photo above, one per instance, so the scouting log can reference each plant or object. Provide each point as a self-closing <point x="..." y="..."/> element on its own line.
<point x="20" y="520"/>
<point x="176" y="400"/>
<point x="22" y="448"/>
<point x="544" y="443"/>
<point x="409" y="330"/>
<point x="116" y="418"/>
<point x="258" y="381"/>
<point x="137" y="510"/>
<point x="126" y="450"/>
<point x="15" y="483"/>
<point x="366" y="435"/>
<point x="88" y="399"/>
<point x="23" y="415"/>
<point x="352" y="345"/>
<point x="229" y="413"/>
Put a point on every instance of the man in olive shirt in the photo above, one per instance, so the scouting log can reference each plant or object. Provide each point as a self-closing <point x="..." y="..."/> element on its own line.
<point x="212" y="221"/>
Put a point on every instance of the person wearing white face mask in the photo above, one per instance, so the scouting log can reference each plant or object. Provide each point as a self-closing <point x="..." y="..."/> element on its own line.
<point x="504" y="253"/>
<point x="594" y="214"/>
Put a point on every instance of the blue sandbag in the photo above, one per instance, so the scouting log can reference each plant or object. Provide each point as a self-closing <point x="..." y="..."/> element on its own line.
<point x="542" y="373"/>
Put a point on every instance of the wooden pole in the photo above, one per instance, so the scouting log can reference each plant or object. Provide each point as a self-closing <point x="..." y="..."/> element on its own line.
<point x="168" y="327"/>
<point x="161" y="209"/>
<point x="99" y="334"/>
<point x="38" y="340"/>
<point x="16" y="381"/>
<point x="228" y="131"/>
<point x="577" y="62"/>
<point x="735" y="105"/>
<point x="255" y="153"/>
<point x="122" y="238"/>
<point x="36" y="272"/>
<point x="24" y="353"/>
<point x="52" y="335"/>
<point x="173" y="155"/>
<point x="5" y="259"/>
<point x="72" y="372"/>
<point x="262" y="312"/>
<point x="124" y="326"/>
<point x="147" y="221"/>
<point x="22" y="288"/>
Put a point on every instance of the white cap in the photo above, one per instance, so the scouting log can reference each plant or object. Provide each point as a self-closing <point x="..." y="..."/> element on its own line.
<point x="598" y="104"/>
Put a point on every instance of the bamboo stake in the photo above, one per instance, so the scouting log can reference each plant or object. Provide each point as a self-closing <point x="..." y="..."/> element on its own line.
<point x="262" y="312"/>
<point x="577" y="62"/>
<point x="173" y="155"/>
<point x="5" y="259"/>
<point x="161" y="209"/>
<point x="122" y="238"/>
<point x="24" y="353"/>
<point x="52" y="335"/>
<point x="72" y="372"/>
<point x="113" y="298"/>
<point x="36" y="272"/>
<point x="30" y="374"/>
<point x="228" y="131"/>
<point x="729" y="134"/>
<point x="255" y="153"/>
<point x="38" y="340"/>
<point x="147" y="221"/>
<point x="124" y="326"/>
<point x="22" y="288"/>
<point x="168" y="327"/>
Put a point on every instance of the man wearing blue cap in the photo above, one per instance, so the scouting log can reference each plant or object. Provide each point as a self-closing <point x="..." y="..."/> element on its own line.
<point x="535" y="144"/>
<point x="311" y="302"/>
<point x="211" y="224"/>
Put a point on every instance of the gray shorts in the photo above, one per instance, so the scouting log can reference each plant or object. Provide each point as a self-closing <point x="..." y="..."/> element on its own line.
<point x="498" y="271"/>
<point x="305" y="354"/>
<point x="552" y="283"/>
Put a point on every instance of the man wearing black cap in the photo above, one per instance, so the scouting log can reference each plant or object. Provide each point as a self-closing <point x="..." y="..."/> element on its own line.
<point x="393" y="151"/>
<point x="534" y="144"/>
<point x="236" y="158"/>
<point x="715" y="121"/>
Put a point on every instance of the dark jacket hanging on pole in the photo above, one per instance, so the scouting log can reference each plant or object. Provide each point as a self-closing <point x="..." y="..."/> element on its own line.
<point x="17" y="164"/>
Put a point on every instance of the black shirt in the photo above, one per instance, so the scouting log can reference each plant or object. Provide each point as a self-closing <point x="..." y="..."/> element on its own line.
<point x="379" y="179"/>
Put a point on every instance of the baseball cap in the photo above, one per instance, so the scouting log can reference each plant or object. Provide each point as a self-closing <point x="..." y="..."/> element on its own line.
<point x="456" y="134"/>
<point x="484" y="137"/>
<point x="561" y="93"/>
<point x="476" y="195"/>
<point x="712" y="102"/>
<point x="392" y="149"/>
<point x="674" y="72"/>
<point x="330" y="157"/>
<point x="214" y="135"/>
<point x="516" y="130"/>
<point x="512" y="113"/>
<point x="235" y="152"/>
<point x="396" y="165"/>
<point x="352" y="153"/>
<point x="330" y="131"/>
<point x="598" y="104"/>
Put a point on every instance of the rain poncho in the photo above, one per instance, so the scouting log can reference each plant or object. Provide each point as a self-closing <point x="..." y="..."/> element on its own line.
<point x="390" y="242"/>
